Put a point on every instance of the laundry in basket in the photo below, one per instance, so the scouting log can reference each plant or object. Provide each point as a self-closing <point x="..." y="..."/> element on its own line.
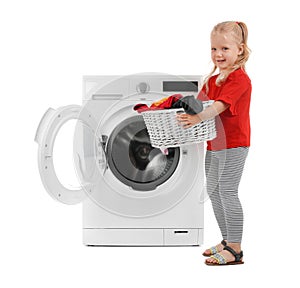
<point x="165" y="131"/>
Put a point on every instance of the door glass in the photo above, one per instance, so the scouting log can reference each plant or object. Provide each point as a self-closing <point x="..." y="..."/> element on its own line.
<point x="63" y="160"/>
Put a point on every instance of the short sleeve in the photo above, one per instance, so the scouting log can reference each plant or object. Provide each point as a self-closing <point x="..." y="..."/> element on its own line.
<point x="232" y="91"/>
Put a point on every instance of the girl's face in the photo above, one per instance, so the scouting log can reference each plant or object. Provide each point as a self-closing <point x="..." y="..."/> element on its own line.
<point x="224" y="50"/>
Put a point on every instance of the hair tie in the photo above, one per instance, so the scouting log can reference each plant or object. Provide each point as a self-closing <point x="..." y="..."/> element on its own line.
<point x="243" y="35"/>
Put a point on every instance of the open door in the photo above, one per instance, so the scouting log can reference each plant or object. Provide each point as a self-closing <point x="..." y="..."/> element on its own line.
<point x="48" y="128"/>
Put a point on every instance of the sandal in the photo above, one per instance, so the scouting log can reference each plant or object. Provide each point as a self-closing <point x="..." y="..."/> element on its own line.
<point x="214" y="249"/>
<point x="222" y="261"/>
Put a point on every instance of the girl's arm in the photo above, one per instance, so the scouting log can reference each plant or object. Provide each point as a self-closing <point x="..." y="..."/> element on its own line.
<point x="210" y="112"/>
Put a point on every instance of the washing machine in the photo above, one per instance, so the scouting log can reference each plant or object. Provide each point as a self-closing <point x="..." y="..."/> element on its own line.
<point x="132" y="194"/>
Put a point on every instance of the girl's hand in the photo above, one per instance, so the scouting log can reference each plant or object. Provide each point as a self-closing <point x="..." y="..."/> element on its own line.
<point x="212" y="111"/>
<point x="187" y="120"/>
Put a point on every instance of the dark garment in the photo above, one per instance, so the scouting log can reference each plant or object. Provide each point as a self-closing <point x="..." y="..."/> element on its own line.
<point x="189" y="104"/>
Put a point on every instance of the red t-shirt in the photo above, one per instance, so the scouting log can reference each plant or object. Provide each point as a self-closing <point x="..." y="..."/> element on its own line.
<point x="233" y="124"/>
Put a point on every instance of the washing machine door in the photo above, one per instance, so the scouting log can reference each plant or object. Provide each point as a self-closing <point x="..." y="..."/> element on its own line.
<point x="46" y="133"/>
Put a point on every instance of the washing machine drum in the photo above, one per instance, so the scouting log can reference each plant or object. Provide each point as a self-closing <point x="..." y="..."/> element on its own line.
<point x="134" y="161"/>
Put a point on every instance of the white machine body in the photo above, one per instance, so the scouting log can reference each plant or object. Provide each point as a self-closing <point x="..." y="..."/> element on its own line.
<point x="131" y="193"/>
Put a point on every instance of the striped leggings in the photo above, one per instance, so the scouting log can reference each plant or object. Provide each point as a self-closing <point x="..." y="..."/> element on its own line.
<point x="224" y="169"/>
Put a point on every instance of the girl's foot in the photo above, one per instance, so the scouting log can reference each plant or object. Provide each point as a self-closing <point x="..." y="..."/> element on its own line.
<point x="215" y="249"/>
<point x="227" y="256"/>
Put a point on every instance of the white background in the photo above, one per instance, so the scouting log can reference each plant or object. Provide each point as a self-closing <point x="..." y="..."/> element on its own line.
<point x="46" y="47"/>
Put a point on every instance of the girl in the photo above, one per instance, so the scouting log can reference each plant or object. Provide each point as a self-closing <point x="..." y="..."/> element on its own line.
<point x="226" y="154"/>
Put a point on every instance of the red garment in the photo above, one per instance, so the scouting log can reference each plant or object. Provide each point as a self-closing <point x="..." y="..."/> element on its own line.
<point x="233" y="125"/>
<point x="165" y="104"/>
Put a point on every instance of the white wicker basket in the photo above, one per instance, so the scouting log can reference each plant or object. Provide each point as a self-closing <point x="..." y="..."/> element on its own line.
<point x="165" y="131"/>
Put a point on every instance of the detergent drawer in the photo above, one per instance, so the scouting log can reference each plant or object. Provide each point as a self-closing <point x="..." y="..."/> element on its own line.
<point x="182" y="237"/>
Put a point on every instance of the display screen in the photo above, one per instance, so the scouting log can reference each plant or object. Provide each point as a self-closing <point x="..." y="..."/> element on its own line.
<point x="180" y="86"/>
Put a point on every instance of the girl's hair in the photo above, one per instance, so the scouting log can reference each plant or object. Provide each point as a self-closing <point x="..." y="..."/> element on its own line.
<point x="239" y="32"/>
